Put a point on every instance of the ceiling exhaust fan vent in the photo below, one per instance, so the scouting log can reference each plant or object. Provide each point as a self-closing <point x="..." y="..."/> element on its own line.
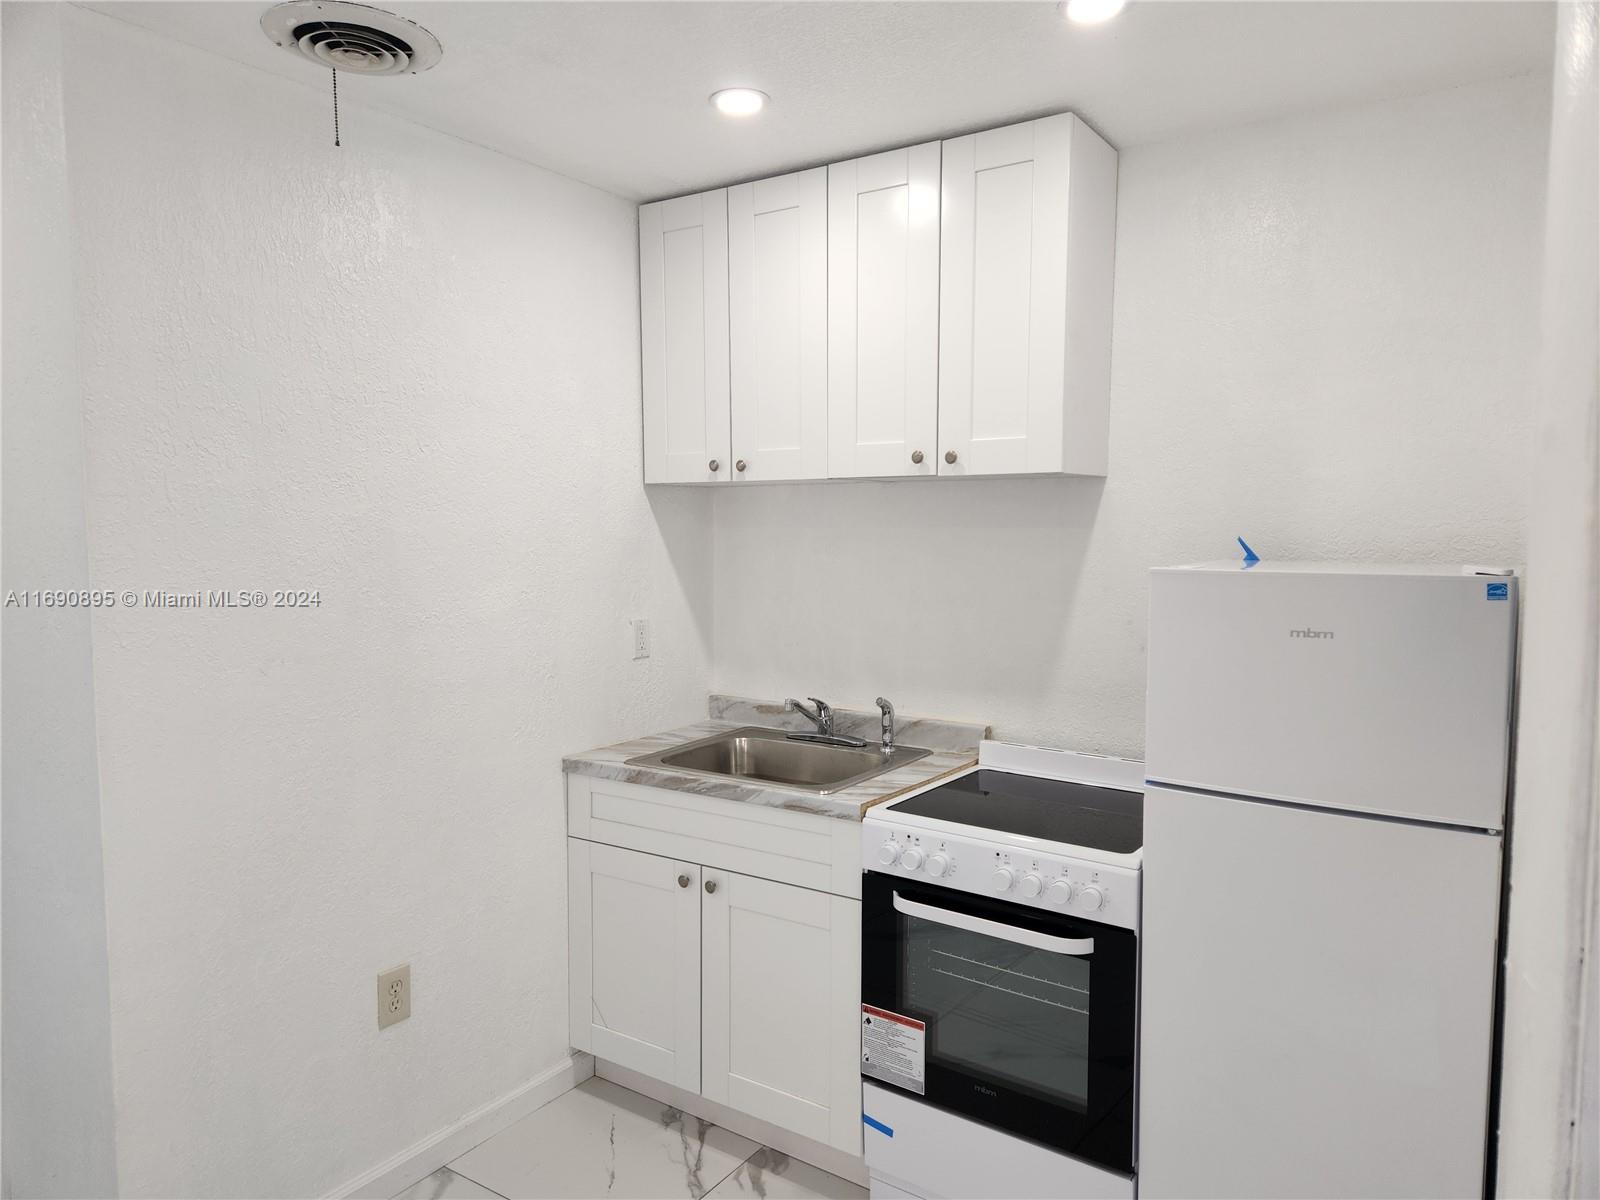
<point x="354" y="38"/>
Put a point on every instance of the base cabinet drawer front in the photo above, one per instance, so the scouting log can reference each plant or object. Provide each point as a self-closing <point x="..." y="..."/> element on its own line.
<point x="780" y="1002"/>
<point x="806" y="849"/>
<point x="635" y="960"/>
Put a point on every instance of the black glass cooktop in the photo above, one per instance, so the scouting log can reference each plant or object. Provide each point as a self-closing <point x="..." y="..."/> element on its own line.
<point x="1077" y="814"/>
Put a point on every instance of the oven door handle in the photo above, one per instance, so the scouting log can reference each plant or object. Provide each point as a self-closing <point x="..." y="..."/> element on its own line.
<point x="1077" y="947"/>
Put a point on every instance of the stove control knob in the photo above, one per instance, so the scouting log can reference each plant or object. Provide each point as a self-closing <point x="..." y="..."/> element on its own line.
<point x="889" y="853"/>
<point x="1030" y="885"/>
<point x="1001" y="880"/>
<point x="938" y="864"/>
<point x="1090" y="898"/>
<point x="911" y="860"/>
<point x="1059" y="892"/>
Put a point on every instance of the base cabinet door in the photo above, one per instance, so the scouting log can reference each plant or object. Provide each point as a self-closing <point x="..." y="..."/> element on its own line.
<point x="780" y="994"/>
<point x="635" y="960"/>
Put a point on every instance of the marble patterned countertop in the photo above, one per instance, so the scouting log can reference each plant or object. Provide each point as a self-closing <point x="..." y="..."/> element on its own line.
<point x="954" y="745"/>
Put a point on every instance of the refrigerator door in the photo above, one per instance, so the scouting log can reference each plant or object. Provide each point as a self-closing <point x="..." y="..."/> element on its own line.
<point x="1317" y="1002"/>
<point x="1373" y="691"/>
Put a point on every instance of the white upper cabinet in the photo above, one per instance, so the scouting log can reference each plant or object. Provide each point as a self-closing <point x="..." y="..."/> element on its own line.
<point x="683" y="320"/>
<point x="778" y="286"/>
<point x="942" y="309"/>
<point x="1028" y="229"/>
<point x="883" y="313"/>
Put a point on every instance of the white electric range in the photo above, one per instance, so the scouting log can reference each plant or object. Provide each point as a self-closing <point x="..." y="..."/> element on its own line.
<point x="999" y="979"/>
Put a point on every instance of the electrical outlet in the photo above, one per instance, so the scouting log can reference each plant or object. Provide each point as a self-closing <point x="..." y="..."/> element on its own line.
<point x="394" y="995"/>
<point x="641" y="638"/>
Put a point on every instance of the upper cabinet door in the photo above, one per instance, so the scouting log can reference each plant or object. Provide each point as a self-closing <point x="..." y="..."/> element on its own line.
<point x="683" y="319"/>
<point x="1028" y="228"/>
<point x="883" y="313"/>
<point x="778" y="285"/>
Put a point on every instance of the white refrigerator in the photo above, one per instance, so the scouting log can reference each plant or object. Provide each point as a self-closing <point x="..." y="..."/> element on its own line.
<point x="1327" y="749"/>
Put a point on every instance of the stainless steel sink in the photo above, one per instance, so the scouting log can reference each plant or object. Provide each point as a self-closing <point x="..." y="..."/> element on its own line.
<point x="781" y="759"/>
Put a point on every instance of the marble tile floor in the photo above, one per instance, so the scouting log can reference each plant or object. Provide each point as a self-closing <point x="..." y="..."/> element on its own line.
<point x="601" y="1140"/>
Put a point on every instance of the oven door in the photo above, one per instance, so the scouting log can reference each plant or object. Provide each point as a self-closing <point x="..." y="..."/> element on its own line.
<point x="1029" y="1016"/>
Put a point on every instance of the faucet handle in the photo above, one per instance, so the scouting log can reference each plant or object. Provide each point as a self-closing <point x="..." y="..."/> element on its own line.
<point x="814" y="716"/>
<point x="824" y="716"/>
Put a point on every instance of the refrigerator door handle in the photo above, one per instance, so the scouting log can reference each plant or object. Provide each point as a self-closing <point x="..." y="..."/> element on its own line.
<point x="1077" y="947"/>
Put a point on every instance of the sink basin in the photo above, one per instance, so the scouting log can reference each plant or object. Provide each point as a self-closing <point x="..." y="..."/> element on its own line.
<point x="771" y="756"/>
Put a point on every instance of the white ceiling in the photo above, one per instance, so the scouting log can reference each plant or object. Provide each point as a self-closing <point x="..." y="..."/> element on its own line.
<point x="615" y="93"/>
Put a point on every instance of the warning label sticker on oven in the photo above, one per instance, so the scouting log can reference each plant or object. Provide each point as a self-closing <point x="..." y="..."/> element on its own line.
<point x="892" y="1048"/>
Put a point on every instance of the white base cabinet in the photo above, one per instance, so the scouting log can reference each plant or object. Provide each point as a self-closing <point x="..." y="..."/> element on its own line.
<point x="734" y="985"/>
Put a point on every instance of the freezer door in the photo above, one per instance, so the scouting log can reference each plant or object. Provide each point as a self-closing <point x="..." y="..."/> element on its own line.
<point x="1317" y="1002"/>
<point x="1386" y="693"/>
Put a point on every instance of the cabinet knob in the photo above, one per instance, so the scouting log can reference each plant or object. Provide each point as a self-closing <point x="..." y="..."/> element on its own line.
<point x="683" y="881"/>
<point x="713" y="466"/>
<point x="711" y="885"/>
<point x="949" y="456"/>
<point x="739" y="466"/>
<point x="916" y="456"/>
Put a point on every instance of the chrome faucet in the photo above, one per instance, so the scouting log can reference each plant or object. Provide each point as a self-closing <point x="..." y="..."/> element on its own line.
<point x="888" y="724"/>
<point x="822" y="718"/>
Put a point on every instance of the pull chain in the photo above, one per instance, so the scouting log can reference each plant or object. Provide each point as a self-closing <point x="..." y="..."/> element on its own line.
<point x="335" y="108"/>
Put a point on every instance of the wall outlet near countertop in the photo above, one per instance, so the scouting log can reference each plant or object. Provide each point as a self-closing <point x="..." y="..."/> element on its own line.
<point x="641" y="638"/>
<point x="394" y="995"/>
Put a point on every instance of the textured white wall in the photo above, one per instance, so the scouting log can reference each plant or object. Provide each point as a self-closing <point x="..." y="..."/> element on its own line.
<point x="1325" y="335"/>
<point x="58" y="1132"/>
<point x="404" y="373"/>
<point x="1550" y="1092"/>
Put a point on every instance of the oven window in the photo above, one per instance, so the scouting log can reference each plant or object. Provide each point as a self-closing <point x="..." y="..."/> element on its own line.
<point x="1001" y="1010"/>
<point x="1029" y="1014"/>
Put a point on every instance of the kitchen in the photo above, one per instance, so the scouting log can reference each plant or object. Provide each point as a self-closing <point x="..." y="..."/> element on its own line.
<point x="412" y="372"/>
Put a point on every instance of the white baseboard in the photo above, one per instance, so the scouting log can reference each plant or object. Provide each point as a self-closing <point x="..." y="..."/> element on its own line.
<point x="434" y="1151"/>
<point x="831" y="1159"/>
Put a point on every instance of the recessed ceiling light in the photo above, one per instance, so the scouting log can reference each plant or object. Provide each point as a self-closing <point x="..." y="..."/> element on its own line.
<point x="739" y="102"/>
<point x="1091" y="12"/>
